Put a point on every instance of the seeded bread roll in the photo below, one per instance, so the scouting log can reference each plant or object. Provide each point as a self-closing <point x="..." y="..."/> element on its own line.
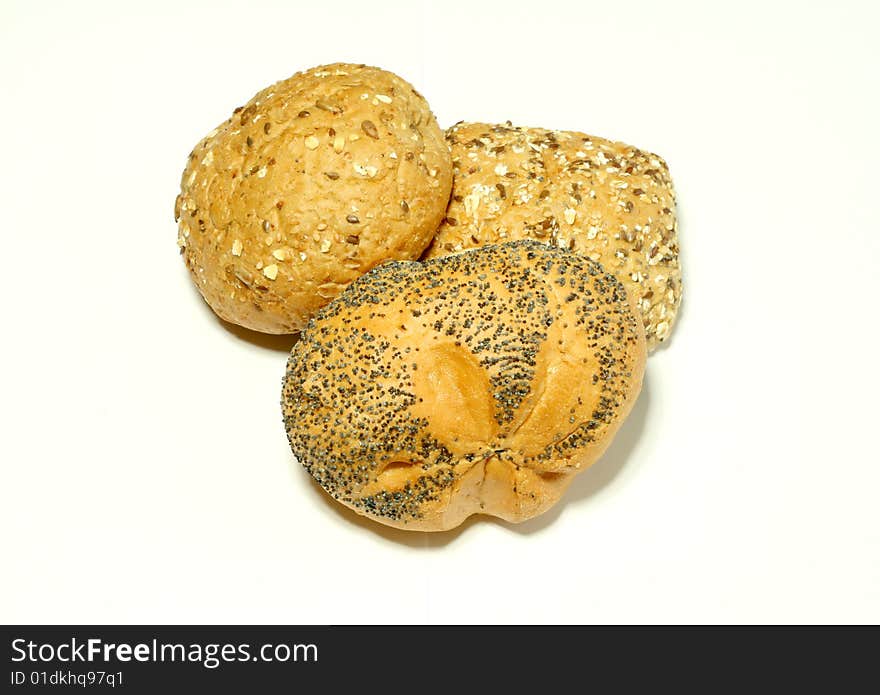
<point x="477" y="383"/>
<point x="314" y="181"/>
<point x="606" y="200"/>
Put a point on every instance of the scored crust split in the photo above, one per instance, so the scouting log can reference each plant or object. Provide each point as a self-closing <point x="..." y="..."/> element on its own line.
<point x="479" y="382"/>
<point x="606" y="200"/>
<point x="314" y="181"/>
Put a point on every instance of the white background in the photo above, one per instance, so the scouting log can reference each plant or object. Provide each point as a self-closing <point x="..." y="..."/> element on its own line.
<point x="145" y="472"/>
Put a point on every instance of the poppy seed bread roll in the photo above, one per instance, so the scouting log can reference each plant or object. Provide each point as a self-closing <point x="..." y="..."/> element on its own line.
<point x="314" y="181"/>
<point x="606" y="200"/>
<point x="476" y="383"/>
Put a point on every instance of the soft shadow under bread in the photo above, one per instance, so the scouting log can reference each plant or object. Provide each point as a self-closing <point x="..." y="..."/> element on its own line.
<point x="281" y="343"/>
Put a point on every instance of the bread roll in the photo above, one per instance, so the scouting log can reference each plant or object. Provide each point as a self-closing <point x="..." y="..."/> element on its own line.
<point x="606" y="200"/>
<point x="477" y="383"/>
<point x="314" y="181"/>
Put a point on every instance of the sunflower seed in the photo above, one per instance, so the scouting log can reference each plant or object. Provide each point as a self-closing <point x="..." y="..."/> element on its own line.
<point x="327" y="106"/>
<point x="370" y="129"/>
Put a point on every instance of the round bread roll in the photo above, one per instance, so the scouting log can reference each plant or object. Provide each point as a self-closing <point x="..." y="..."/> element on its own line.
<point x="605" y="200"/>
<point x="477" y="383"/>
<point x="314" y="181"/>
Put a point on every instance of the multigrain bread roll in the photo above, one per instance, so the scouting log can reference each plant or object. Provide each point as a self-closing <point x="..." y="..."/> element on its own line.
<point x="606" y="200"/>
<point x="477" y="383"/>
<point x="314" y="181"/>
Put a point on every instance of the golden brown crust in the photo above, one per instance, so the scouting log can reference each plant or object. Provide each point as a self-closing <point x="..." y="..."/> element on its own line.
<point x="606" y="200"/>
<point x="480" y="382"/>
<point x="314" y="181"/>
